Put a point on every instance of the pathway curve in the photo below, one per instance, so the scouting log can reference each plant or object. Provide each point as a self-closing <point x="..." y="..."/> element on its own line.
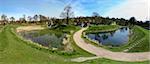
<point x="29" y="28"/>
<point x="101" y="52"/>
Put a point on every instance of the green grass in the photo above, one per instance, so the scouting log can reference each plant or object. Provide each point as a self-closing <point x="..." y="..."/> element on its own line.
<point x="101" y="28"/>
<point x="107" y="61"/>
<point x="14" y="50"/>
<point x="1" y="27"/>
<point x="77" y="52"/>
<point x="60" y="30"/>
<point x="139" y="33"/>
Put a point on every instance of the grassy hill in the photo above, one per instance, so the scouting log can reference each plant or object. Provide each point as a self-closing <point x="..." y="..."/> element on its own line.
<point x="101" y="28"/>
<point x="140" y="36"/>
<point x="13" y="50"/>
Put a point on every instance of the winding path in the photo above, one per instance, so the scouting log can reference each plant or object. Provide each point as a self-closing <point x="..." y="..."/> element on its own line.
<point x="101" y="52"/>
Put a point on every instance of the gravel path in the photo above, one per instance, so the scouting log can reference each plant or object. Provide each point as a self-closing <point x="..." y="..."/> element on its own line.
<point x="101" y="52"/>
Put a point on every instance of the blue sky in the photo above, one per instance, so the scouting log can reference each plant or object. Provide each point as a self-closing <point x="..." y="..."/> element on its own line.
<point x="53" y="8"/>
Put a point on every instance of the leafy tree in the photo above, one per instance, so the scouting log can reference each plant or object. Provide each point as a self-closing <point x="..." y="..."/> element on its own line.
<point x="132" y="20"/>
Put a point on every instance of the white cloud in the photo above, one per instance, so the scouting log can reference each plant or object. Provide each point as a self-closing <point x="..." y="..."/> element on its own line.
<point x="136" y="8"/>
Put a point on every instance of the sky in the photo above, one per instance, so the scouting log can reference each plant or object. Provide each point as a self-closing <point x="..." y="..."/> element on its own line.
<point x="140" y="9"/>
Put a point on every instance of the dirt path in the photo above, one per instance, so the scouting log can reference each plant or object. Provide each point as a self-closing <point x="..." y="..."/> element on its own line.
<point x="28" y="28"/>
<point x="101" y="52"/>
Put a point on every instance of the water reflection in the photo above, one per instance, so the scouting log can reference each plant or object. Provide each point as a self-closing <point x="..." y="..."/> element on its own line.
<point x="113" y="38"/>
<point x="48" y="40"/>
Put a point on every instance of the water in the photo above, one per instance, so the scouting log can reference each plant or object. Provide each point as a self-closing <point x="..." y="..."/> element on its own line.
<point x="48" y="40"/>
<point x="113" y="38"/>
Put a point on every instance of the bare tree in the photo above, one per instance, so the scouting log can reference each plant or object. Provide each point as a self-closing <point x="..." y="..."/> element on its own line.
<point x="29" y="18"/>
<point x="24" y="18"/>
<point x="67" y="13"/>
<point x="4" y="17"/>
<point x="12" y="19"/>
<point x="35" y="17"/>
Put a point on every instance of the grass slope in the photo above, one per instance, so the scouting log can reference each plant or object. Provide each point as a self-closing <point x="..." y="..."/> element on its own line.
<point x="142" y="36"/>
<point x="101" y="28"/>
<point x="14" y="51"/>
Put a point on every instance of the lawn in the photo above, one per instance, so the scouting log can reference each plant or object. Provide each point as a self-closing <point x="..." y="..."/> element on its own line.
<point x="59" y="31"/>
<point x="101" y="28"/>
<point x="14" y="50"/>
<point x="107" y="61"/>
<point x="1" y="27"/>
<point x="138" y="41"/>
<point x="142" y="36"/>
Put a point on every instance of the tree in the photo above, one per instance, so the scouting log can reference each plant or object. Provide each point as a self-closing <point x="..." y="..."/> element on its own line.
<point x="67" y="13"/>
<point x="30" y="18"/>
<point x="24" y="18"/>
<point x="35" y="17"/>
<point x="12" y="19"/>
<point x="43" y="18"/>
<point x="132" y="20"/>
<point x="4" y="17"/>
<point x="95" y="14"/>
<point x="96" y="18"/>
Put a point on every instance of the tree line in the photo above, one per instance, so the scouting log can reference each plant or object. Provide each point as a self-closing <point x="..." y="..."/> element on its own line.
<point x="67" y="18"/>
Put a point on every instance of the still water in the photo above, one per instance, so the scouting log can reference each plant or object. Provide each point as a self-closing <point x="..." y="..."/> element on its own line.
<point x="113" y="38"/>
<point x="48" y="40"/>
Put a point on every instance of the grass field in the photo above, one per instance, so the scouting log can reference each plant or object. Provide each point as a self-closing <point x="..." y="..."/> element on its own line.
<point x="13" y="50"/>
<point x="138" y="41"/>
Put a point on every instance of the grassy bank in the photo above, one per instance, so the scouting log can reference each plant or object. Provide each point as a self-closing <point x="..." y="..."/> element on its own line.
<point x="13" y="50"/>
<point x="101" y="28"/>
<point x="1" y="27"/>
<point x="138" y="41"/>
<point x="107" y="61"/>
<point x="141" y="37"/>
